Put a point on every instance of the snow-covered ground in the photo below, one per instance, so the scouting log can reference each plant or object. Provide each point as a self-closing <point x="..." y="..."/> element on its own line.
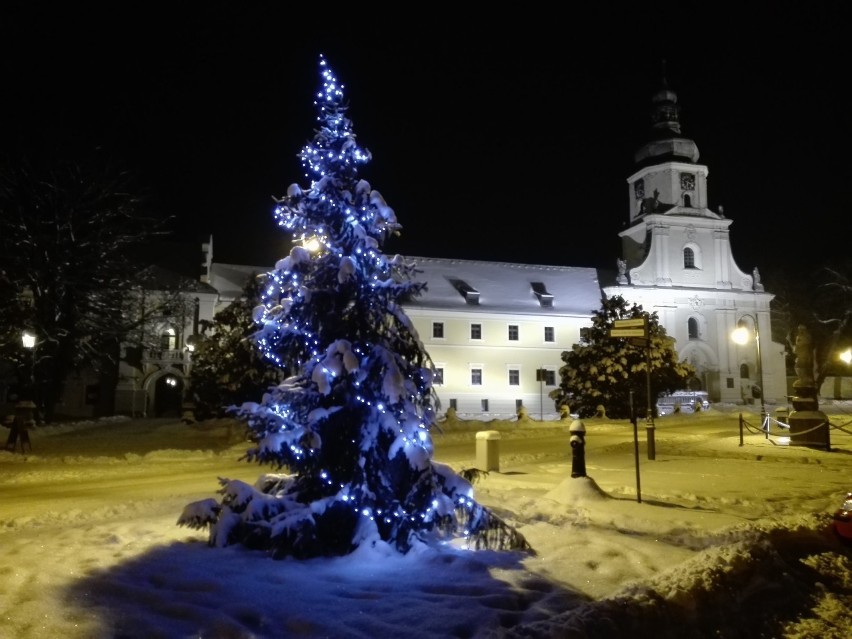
<point x="709" y="539"/>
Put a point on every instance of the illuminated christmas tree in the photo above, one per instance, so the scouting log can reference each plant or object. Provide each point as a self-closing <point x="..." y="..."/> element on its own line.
<point x="352" y="426"/>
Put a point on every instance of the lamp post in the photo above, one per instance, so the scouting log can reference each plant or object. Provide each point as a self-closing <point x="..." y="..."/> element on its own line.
<point x="28" y="340"/>
<point x="741" y="335"/>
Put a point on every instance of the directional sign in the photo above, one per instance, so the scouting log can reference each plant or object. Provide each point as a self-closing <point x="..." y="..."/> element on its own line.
<point x="627" y="332"/>
<point x="629" y="323"/>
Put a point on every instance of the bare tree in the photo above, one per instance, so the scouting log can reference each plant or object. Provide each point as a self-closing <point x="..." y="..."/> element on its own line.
<point x="71" y="234"/>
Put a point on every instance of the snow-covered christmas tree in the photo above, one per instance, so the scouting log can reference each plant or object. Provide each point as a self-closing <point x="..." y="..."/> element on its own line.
<point x="352" y="426"/>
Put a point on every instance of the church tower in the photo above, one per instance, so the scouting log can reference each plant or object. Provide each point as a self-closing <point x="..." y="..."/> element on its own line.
<point x="677" y="262"/>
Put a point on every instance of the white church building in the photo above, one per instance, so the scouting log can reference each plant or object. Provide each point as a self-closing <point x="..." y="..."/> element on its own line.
<point x="495" y="331"/>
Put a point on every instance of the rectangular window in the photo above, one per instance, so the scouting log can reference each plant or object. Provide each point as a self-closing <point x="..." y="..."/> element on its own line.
<point x="438" y="330"/>
<point x="729" y="382"/>
<point x="454" y="403"/>
<point x="514" y="377"/>
<point x="476" y="331"/>
<point x="476" y="377"/>
<point x="484" y="405"/>
<point x="439" y="376"/>
<point x="549" y="334"/>
<point x="513" y="332"/>
<point x="519" y="403"/>
<point x="549" y="378"/>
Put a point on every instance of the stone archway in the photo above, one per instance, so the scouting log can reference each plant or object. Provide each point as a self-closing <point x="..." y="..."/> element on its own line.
<point x="166" y="390"/>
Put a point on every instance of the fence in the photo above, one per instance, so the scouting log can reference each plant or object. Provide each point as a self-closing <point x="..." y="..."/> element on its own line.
<point x="778" y="432"/>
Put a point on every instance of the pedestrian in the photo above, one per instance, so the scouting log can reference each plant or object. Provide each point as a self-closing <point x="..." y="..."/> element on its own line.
<point x="24" y="420"/>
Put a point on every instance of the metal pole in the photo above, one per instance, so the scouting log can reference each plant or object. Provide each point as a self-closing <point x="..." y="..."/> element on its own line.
<point x="741" y="429"/>
<point x="633" y="420"/>
<point x="763" y="417"/>
<point x="649" y="418"/>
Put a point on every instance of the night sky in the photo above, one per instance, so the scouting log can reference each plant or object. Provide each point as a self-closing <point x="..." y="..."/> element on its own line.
<point x="496" y="137"/>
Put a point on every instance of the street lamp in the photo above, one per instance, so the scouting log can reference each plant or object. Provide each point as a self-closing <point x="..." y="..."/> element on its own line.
<point x="845" y="356"/>
<point x="28" y="340"/>
<point x="741" y="335"/>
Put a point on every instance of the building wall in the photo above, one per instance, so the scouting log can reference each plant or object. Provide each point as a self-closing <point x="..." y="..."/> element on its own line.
<point x="457" y="354"/>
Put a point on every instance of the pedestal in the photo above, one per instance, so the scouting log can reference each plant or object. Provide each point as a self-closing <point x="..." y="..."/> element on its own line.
<point x="809" y="428"/>
<point x="808" y="424"/>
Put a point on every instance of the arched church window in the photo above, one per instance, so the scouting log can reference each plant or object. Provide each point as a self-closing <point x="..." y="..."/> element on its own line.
<point x="692" y="327"/>
<point x="744" y="371"/>
<point x="687" y="201"/>
<point x="688" y="258"/>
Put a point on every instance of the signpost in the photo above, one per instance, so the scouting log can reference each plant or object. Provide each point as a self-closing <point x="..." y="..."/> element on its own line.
<point x="637" y="330"/>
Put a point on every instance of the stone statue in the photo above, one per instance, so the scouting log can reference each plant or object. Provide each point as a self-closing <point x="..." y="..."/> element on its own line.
<point x="622" y="269"/>
<point x="804" y="350"/>
<point x="756" y="275"/>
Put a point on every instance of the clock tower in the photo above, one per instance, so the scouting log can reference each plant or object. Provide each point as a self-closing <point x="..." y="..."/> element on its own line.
<point x="677" y="261"/>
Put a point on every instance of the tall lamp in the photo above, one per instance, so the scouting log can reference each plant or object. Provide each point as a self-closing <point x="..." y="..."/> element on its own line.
<point x="28" y="340"/>
<point x="741" y="335"/>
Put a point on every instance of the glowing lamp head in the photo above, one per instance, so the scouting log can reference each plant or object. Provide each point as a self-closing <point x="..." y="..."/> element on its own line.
<point x="28" y="339"/>
<point x="741" y="335"/>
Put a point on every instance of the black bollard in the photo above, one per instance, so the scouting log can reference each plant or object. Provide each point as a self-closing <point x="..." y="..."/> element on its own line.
<point x="578" y="448"/>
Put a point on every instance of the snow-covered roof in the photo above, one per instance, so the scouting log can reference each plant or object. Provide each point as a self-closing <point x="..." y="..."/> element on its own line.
<point x="231" y="279"/>
<point x="472" y="286"/>
<point x="157" y="278"/>
<point x="504" y="287"/>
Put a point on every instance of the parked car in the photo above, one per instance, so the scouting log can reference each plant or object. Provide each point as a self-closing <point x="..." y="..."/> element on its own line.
<point x="683" y="401"/>
<point x="843" y="518"/>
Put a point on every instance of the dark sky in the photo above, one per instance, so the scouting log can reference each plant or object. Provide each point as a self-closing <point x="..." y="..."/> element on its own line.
<point x="499" y="137"/>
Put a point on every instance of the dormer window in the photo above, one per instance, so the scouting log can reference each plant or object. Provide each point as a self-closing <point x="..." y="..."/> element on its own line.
<point x="470" y="294"/>
<point x="545" y="299"/>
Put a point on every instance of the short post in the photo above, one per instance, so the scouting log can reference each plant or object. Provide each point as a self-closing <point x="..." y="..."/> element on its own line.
<point x="487" y="450"/>
<point x="578" y="448"/>
<point x="741" y="429"/>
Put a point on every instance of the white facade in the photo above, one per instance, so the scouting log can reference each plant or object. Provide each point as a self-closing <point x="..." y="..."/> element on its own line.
<point x="678" y="263"/>
<point x="489" y="327"/>
<point x="496" y="331"/>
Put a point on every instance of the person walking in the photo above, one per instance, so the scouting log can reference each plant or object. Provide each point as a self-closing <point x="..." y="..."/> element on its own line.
<point x="24" y="420"/>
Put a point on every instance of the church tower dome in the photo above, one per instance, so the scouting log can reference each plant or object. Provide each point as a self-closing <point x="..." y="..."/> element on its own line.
<point x="667" y="142"/>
